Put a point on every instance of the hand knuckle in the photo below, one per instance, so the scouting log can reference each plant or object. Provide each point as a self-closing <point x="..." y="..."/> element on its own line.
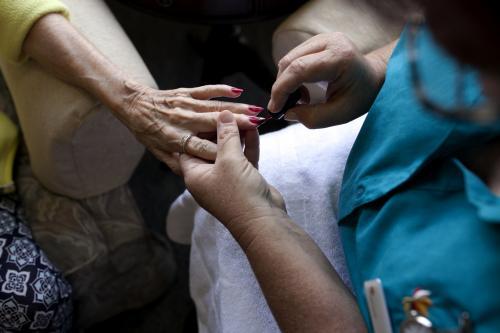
<point x="336" y="35"/>
<point x="217" y="106"/>
<point x="169" y="102"/>
<point x="297" y="67"/>
<point x="201" y="146"/>
<point x="284" y="62"/>
<point x="339" y="38"/>
<point x="348" y="53"/>
<point x="180" y="117"/>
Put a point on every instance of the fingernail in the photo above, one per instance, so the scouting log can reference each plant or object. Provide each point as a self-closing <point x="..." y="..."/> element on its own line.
<point x="255" y="109"/>
<point x="237" y="90"/>
<point x="256" y="120"/>
<point x="291" y="116"/>
<point x="226" y="117"/>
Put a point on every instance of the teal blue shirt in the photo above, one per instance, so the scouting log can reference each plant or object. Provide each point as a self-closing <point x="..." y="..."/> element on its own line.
<point x="411" y="213"/>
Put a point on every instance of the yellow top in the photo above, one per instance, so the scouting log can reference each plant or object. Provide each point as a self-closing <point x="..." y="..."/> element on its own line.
<point x="8" y="145"/>
<point x="16" y="19"/>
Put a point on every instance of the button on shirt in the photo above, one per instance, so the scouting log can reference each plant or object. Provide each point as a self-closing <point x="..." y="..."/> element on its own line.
<point x="411" y="213"/>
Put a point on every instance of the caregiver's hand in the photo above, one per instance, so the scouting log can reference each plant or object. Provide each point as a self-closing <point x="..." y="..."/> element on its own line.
<point x="160" y="119"/>
<point x="231" y="189"/>
<point x="302" y="288"/>
<point x="353" y="79"/>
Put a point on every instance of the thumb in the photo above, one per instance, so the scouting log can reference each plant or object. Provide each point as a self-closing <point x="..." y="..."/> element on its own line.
<point x="228" y="136"/>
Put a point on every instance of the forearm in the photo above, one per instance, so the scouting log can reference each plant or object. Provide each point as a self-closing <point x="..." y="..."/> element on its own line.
<point x="301" y="287"/>
<point x="60" y="49"/>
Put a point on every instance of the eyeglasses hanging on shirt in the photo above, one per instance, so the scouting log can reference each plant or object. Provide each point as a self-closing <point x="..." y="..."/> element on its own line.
<point x="486" y="112"/>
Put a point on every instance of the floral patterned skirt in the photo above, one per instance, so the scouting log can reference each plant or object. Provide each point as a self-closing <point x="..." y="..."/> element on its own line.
<point x="34" y="296"/>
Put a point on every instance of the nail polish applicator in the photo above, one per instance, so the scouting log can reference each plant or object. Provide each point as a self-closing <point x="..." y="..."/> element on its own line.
<point x="290" y="103"/>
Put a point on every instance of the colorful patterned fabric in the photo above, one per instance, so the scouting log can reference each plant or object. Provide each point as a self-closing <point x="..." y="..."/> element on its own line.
<point x="33" y="294"/>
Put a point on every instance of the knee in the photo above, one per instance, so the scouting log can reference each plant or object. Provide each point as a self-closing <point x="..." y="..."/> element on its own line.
<point x="33" y="294"/>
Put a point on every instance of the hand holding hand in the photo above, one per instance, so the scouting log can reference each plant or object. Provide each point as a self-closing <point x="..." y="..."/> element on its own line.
<point x="354" y="79"/>
<point x="160" y="119"/>
<point x="231" y="189"/>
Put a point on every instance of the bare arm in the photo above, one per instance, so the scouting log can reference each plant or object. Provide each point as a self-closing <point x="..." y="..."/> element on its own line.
<point x="62" y="50"/>
<point x="159" y="119"/>
<point x="302" y="289"/>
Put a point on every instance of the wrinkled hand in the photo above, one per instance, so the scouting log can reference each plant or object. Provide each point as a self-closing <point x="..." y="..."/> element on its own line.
<point x="160" y="119"/>
<point x="231" y="189"/>
<point x="354" y="80"/>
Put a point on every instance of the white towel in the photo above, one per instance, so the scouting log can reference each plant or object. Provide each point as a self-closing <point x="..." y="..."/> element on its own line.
<point x="306" y="166"/>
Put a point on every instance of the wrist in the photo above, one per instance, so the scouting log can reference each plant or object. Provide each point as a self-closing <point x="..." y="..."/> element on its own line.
<point x="249" y="225"/>
<point x="114" y="90"/>
<point x="378" y="66"/>
<point x="379" y="59"/>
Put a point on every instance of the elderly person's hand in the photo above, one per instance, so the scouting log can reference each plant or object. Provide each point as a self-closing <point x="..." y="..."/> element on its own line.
<point x="231" y="189"/>
<point x="353" y="79"/>
<point x="161" y="119"/>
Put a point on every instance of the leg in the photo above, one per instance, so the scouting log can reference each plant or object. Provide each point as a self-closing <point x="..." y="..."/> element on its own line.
<point x="34" y="296"/>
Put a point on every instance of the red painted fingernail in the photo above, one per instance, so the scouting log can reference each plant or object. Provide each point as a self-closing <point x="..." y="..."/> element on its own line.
<point x="237" y="90"/>
<point x="256" y="120"/>
<point x="255" y="109"/>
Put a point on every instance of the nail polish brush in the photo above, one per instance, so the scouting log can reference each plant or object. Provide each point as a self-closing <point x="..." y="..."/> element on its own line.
<point x="290" y="103"/>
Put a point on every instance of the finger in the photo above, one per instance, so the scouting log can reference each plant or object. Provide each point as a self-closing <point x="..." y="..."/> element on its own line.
<point x="201" y="148"/>
<point x="310" y="68"/>
<point x="314" y="44"/>
<point x="198" y="105"/>
<point x="214" y="91"/>
<point x="207" y="122"/>
<point x="323" y="114"/>
<point x="252" y="147"/>
<point x="228" y="136"/>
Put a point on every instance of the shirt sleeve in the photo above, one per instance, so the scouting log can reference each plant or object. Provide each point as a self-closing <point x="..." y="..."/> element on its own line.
<point x="16" y="19"/>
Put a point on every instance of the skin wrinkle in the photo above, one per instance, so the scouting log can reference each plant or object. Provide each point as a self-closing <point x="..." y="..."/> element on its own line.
<point x="253" y="248"/>
<point x="201" y="147"/>
<point x="291" y="270"/>
<point x="59" y="48"/>
<point x="217" y="106"/>
<point x="280" y="252"/>
<point x="335" y="59"/>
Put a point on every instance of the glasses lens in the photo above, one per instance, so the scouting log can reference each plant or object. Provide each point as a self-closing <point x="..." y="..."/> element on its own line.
<point x="447" y="84"/>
